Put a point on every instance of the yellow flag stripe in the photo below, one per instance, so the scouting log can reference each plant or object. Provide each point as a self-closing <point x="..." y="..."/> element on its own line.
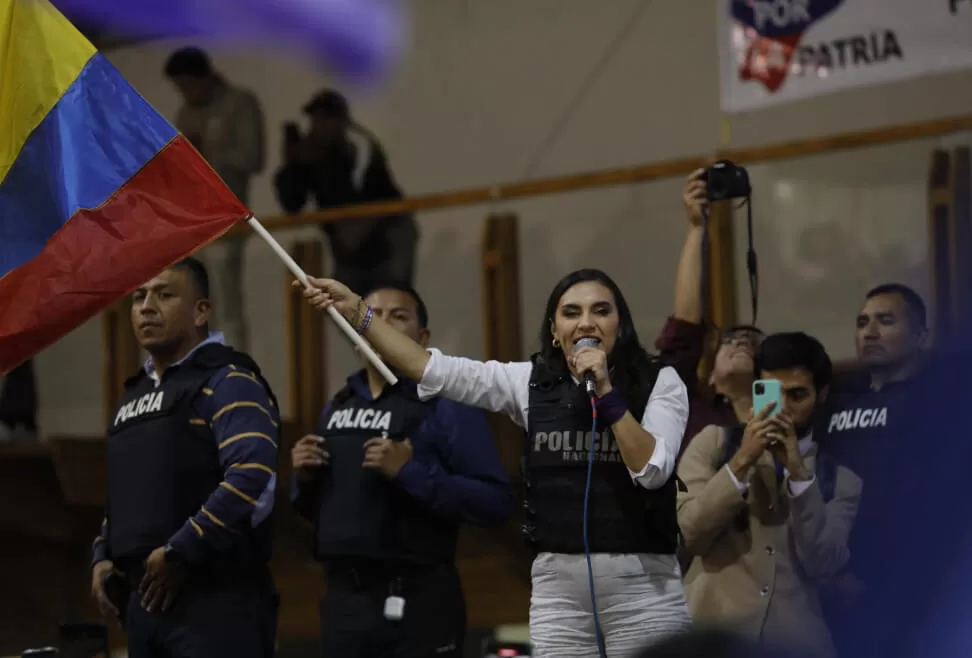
<point x="41" y="55"/>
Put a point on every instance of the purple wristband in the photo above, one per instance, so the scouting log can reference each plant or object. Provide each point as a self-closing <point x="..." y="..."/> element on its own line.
<point x="366" y="321"/>
<point x="611" y="408"/>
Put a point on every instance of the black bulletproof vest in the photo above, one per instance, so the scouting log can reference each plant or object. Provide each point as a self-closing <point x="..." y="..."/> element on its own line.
<point x="361" y="514"/>
<point x="161" y="467"/>
<point x="860" y="422"/>
<point x="623" y="517"/>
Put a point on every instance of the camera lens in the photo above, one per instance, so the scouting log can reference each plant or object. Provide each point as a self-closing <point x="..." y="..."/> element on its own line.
<point x="760" y="389"/>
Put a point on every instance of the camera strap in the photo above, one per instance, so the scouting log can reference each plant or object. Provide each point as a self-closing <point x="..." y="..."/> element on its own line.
<point x="751" y="266"/>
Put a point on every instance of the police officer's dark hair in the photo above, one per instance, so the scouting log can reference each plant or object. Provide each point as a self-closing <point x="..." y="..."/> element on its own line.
<point x="192" y="62"/>
<point x="421" y="310"/>
<point x="198" y="274"/>
<point x="912" y="300"/>
<point x="795" y="349"/>
<point x="629" y="362"/>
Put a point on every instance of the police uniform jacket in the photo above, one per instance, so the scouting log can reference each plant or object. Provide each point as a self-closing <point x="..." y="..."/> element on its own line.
<point x="191" y="463"/>
<point x="622" y="516"/>
<point x="454" y="475"/>
<point x="761" y="555"/>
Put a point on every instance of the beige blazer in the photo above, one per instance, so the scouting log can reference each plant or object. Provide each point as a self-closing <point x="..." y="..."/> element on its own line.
<point x="760" y="578"/>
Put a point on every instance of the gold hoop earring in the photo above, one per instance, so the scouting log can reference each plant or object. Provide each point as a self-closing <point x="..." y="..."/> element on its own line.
<point x="556" y="343"/>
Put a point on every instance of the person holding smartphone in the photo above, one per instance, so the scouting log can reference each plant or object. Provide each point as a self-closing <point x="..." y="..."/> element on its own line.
<point x="765" y="521"/>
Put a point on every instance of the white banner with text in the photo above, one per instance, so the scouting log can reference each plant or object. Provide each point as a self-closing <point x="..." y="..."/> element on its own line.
<point x="777" y="51"/>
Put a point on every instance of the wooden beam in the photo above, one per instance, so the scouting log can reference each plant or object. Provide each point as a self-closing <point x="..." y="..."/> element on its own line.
<point x="625" y="175"/>
<point x="306" y="354"/>
<point x="120" y="354"/>
<point x="502" y="341"/>
<point x="720" y="311"/>
<point x="961" y="246"/>
<point x="940" y="236"/>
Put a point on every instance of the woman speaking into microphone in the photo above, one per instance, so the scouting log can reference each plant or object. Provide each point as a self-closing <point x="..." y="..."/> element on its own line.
<point x="604" y="423"/>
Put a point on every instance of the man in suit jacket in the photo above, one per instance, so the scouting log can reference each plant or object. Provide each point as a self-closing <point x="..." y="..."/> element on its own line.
<point x="767" y="522"/>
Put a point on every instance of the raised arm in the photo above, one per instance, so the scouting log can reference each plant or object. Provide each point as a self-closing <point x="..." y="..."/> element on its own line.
<point x="688" y="276"/>
<point x="494" y="386"/>
<point x="681" y="342"/>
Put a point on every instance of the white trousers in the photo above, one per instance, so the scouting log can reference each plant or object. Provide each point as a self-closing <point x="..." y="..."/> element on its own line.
<point x="640" y="600"/>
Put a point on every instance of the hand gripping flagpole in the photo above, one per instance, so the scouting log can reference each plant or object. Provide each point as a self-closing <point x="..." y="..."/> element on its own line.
<point x="339" y="319"/>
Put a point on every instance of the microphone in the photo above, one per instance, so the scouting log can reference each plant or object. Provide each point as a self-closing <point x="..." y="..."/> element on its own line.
<point x="590" y="385"/>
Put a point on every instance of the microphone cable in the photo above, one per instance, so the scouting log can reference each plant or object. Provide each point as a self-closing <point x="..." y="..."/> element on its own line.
<point x="601" y="649"/>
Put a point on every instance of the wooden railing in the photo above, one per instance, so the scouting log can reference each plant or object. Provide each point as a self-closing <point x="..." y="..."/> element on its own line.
<point x="625" y="175"/>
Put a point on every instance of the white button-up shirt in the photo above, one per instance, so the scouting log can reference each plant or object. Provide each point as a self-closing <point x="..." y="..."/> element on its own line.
<point x="505" y="388"/>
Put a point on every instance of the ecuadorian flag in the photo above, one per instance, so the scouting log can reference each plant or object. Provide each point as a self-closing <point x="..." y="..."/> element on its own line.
<point x="98" y="193"/>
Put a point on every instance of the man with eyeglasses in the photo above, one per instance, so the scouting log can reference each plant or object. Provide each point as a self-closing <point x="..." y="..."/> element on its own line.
<point x="682" y="342"/>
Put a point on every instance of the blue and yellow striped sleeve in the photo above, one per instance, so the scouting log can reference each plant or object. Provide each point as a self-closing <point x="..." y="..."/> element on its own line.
<point x="246" y="426"/>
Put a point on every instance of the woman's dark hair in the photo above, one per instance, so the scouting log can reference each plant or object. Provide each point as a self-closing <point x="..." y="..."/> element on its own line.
<point x="629" y="362"/>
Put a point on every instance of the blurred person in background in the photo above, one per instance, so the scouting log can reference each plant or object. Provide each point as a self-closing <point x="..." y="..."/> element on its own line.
<point x="682" y="342"/>
<point x="386" y="480"/>
<point x="764" y="520"/>
<point x="624" y="546"/>
<point x="18" y="404"/>
<point x="340" y="163"/>
<point x="183" y="554"/>
<point x="226" y="125"/>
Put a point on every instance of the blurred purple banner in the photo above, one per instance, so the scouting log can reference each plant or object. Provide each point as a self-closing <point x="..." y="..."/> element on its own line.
<point x="358" y="39"/>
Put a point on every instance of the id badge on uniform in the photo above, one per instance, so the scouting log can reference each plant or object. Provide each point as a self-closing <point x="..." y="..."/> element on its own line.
<point x="395" y="604"/>
<point x="394" y="608"/>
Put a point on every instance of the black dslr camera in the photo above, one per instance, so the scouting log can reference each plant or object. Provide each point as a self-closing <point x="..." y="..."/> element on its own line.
<point x="725" y="180"/>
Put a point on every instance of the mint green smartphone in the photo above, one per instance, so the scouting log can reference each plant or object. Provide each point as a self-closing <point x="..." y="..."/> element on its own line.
<point x="766" y="392"/>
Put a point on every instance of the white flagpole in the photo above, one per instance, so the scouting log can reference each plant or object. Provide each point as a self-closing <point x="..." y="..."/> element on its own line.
<point x="339" y="319"/>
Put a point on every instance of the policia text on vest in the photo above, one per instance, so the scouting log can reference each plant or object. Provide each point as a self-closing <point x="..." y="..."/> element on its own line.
<point x="192" y="459"/>
<point x="385" y="539"/>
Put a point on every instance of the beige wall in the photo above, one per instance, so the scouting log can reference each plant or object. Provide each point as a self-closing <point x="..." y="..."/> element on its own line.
<point x="474" y="103"/>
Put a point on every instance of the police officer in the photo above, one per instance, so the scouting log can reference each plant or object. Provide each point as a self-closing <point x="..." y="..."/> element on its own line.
<point x="386" y="480"/>
<point x="601" y="505"/>
<point x="863" y="412"/>
<point x="182" y="558"/>
<point x="864" y="421"/>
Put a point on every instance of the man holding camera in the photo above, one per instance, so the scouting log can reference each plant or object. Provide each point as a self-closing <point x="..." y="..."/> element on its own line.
<point x="340" y="163"/>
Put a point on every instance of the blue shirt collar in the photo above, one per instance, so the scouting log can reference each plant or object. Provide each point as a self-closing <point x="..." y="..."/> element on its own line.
<point x="358" y="383"/>
<point x="214" y="337"/>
